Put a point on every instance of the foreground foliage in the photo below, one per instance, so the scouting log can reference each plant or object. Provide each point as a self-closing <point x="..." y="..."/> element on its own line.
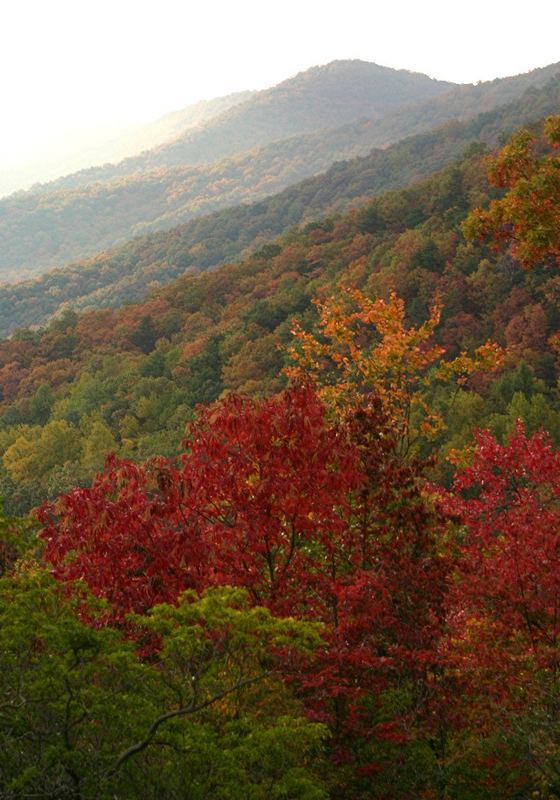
<point x="82" y="716"/>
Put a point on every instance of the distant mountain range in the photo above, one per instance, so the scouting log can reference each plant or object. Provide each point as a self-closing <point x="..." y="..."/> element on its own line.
<point x="128" y="272"/>
<point x="321" y="97"/>
<point x="135" y="140"/>
<point x="96" y="209"/>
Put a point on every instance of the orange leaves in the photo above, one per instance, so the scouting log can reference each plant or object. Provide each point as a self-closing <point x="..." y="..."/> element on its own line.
<point x="366" y="347"/>
<point x="527" y="217"/>
<point x="487" y="358"/>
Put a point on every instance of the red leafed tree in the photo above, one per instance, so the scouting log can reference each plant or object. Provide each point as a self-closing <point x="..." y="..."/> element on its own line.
<point x="315" y="518"/>
<point x="325" y="520"/>
<point x="269" y="485"/>
<point x="387" y="598"/>
<point x="123" y="539"/>
<point x="260" y="492"/>
<point x="504" y="606"/>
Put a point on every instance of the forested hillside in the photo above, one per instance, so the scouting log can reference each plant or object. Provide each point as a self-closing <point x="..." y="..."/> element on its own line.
<point x="128" y="379"/>
<point x="54" y="224"/>
<point x="125" y="274"/>
<point x="334" y="584"/>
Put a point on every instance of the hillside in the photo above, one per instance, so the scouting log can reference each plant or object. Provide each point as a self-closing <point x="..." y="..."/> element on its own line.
<point x="321" y="558"/>
<point x="62" y="225"/>
<point x="134" y="141"/>
<point x="128" y="379"/>
<point x="125" y="274"/>
<point x="321" y="97"/>
<point x="65" y="220"/>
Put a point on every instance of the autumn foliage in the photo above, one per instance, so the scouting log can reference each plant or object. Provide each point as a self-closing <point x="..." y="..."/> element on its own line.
<point x="528" y="215"/>
<point x="294" y="591"/>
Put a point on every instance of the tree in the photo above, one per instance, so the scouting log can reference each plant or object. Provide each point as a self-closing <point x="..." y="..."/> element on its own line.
<point x="503" y="640"/>
<point x="38" y="450"/>
<point x="145" y="335"/>
<point x="97" y="445"/>
<point x="316" y="519"/>
<point x="527" y="217"/>
<point x="366" y="346"/>
<point x="82" y="716"/>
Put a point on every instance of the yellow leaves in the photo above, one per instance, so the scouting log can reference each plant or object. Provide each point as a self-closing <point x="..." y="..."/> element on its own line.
<point x="461" y="458"/>
<point x="526" y="220"/>
<point x="554" y="341"/>
<point x="366" y="347"/>
<point x="487" y="358"/>
<point x="552" y="129"/>
<point x="38" y="450"/>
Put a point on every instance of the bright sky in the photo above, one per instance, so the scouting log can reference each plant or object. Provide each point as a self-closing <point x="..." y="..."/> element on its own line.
<point x="74" y="71"/>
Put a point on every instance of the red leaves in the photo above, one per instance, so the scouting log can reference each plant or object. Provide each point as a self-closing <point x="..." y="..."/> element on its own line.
<point x="504" y="607"/>
<point x="316" y="519"/>
<point x="121" y="537"/>
<point x="258" y="499"/>
<point x="324" y="521"/>
<point x="269" y="486"/>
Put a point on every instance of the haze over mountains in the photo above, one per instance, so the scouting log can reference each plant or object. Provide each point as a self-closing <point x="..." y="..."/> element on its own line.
<point x="275" y="138"/>
<point x="135" y="140"/>
<point x="88" y="211"/>
<point x="398" y="101"/>
<point x="321" y="97"/>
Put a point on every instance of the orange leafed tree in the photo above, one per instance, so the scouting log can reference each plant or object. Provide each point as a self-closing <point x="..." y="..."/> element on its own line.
<point x="527" y="217"/>
<point x="366" y="347"/>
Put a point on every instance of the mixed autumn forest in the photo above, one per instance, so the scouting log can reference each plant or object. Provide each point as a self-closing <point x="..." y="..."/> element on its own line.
<point x="281" y="482"/>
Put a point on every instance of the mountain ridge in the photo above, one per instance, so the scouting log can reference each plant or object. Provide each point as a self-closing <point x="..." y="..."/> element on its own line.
<point x="308" y="82"/>
<point x="42" y="230"/>
<point x="127" y="273"/>
<point x="134" y="141"/>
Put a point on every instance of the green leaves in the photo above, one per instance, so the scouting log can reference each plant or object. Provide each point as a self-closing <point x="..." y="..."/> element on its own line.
<point x="81" y="715"/>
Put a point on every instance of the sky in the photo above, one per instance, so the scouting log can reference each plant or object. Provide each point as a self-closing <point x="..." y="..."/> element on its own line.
<point x="75" y="72"/>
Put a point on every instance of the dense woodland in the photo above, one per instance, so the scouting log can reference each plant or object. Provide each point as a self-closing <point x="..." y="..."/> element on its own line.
<point x="127" y="379"/>
<point x="116" y="277"/>
<point x="295" y="527"/>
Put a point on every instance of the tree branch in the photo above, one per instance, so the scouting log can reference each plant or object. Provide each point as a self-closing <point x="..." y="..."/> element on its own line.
<point x="178" y="712"/>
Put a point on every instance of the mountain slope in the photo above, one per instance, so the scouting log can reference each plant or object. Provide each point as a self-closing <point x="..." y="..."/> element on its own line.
<point x="57" y="227"/>
<point x="325" y="97"/>
<point x="321" y="97"/>
<point x="134" y="141"/>
<point x="124" y="275"/>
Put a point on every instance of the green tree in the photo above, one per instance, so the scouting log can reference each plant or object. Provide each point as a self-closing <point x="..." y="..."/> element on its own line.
<point x="98" y="443"/>
<point x="205" y="715"/>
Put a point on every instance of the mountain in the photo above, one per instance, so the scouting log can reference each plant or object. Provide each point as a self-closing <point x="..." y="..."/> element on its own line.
<point x="49" y="228"/>
<point x="127" y="273"/>
<point x="321" y="97"/>
<point x="224" y="559"/>
<point x="133" y="141"/>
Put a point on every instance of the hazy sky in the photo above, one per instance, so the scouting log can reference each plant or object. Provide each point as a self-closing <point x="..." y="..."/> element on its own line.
<point x="74" y="70"/>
